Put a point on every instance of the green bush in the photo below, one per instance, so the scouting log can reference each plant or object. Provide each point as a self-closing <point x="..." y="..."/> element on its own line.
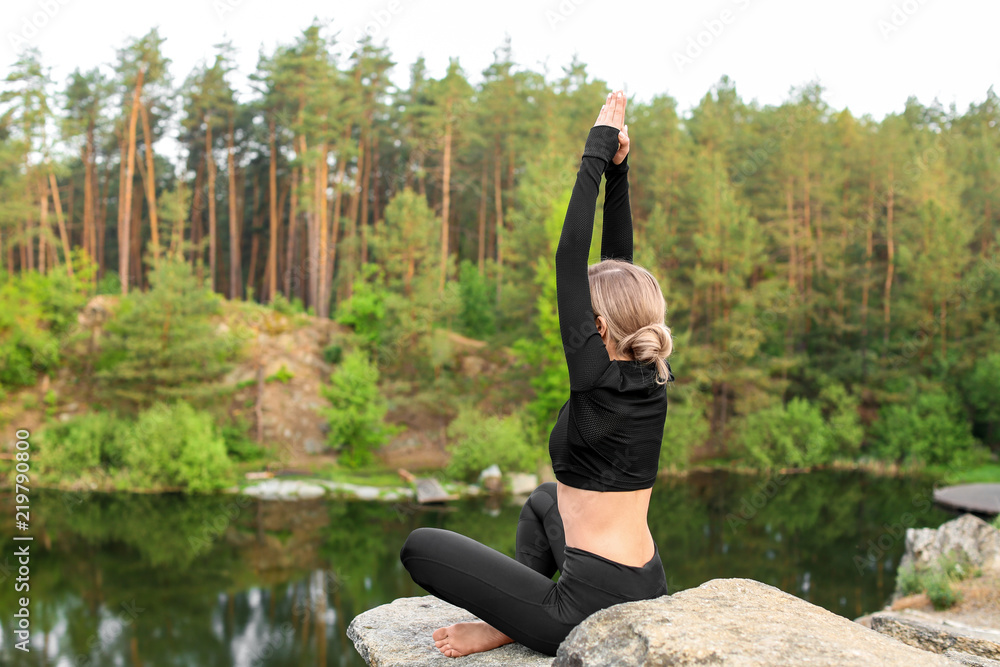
<point x="176" y="446"/>
<point x="785" y="435"/>
<point x="239" y="445"/>
<point x="162" y="343"/>
<point x="931" y="429"/>
<point x="37" y="310"/>
<point x="940" y="592"/>
<point x="804" y="433"/>
<point x="365" y="311"/>
<point x="477" y="441"/>
<point x="333" y="353"/>
<point x="685" y="428"/>
<point x="282" y="305"/>
<point x="173" y="446"/>
<point x="935" y="580"/>
<point x="357" y="410"/>
<point x="477" y="316"/>
<point x="79" y="444"/>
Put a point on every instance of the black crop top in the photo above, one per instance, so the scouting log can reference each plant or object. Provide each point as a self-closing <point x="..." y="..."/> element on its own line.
<point x="608" y="433"/>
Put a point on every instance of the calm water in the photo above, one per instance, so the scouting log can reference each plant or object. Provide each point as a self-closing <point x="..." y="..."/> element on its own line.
<point x="151" y="580"/>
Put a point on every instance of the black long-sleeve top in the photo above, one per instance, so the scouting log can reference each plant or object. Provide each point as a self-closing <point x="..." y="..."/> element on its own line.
<point x="608" y="433"/>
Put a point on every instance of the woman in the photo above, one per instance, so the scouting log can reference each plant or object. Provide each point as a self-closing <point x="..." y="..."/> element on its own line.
<point x="591" y="523"/>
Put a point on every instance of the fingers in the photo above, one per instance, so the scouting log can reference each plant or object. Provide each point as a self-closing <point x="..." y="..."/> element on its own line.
<point x="604" y="117"/>
<point x="619" y="110"/>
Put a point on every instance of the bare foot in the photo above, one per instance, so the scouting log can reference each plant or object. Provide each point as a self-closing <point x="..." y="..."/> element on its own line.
<point x="465" y="638"/>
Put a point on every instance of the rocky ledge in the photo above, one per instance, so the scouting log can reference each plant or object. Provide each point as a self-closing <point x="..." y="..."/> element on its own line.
<point x="723" y="621"/>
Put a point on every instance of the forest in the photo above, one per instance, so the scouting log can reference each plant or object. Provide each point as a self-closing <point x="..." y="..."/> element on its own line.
<point x="832" y="281"/>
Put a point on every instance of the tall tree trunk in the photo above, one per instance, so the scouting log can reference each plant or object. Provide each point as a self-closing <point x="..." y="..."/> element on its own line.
<point x="136" y="242"/>
<point x="43" y="227"/>
<point x="235" y="268"/>
<point x="365" y="181"/>
<point x="866" y="283"/>
<point x="482" y="218"/>
<point x="126" y="230"/>
<point x="498" y="202"/>
<point x="353" y="247"/>
<point x="197" y="206"/>
<point x="445" y="198"/>
<point x="63" y="234"/>
<point x="346" y="289"/>
<point x="890" y="260"/>
<point x="154" y="224"/>
<point x="292" y="215"/>
<point x="102" y="217"/>
<point x="89" y="235"/>
<point x="376" y="190"/>
<point x="213" y="236"/>
<point x="328" y="249"/>
<point x="27" y="251"/>
<point x="272" y="189"/>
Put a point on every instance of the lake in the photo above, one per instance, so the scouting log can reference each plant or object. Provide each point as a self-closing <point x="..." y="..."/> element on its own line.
<point x="128" y="579"/>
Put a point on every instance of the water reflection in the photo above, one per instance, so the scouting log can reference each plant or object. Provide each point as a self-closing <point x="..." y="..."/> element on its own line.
<point x="167" y="580"/>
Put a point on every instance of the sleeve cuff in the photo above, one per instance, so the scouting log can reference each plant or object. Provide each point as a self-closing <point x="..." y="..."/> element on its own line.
<point x="602" y="142"/>
<point x="613" y="168"/>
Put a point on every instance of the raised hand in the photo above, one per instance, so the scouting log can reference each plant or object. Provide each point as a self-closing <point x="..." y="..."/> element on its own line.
<point x="613" y="114"/>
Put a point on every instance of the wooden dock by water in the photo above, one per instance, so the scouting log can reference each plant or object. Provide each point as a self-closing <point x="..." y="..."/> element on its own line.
<point x="978" y="498"/>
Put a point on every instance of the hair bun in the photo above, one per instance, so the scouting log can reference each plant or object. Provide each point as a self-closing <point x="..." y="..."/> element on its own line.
<point x="651" y="344"/>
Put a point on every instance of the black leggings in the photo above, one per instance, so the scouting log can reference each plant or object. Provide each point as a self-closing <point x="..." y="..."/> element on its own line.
<point x="517" y="595"/>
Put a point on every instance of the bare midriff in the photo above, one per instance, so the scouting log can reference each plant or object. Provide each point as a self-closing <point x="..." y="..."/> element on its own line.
<point x="611" y="524"/>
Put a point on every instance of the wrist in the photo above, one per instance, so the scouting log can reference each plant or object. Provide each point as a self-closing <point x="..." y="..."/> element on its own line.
<point x="613" y="168"/>
<point x="602" y="143"/>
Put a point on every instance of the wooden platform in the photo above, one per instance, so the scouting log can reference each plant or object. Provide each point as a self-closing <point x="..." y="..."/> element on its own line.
<point x="978" y="498"/>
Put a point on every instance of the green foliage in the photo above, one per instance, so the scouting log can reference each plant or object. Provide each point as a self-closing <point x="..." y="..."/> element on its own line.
<point x="36" y="311"/>
<point x="239" y="445"/>
<point x="800" y="434"/>
<point x="333" y="353"/>
<point x="686" y="428"/>
<point x="282" y="375"/>
<point x="996" y="522"/>
<point x="281" y="304"/>
<point x="477" y="317"/>
<point x="477" y="440"/>
<point x="357" y="410"/>
<point x="176" y="446"/>
<point x="162" y="344"/>
<point x="365" y="311"/>
<point x="936" y="580"/>
<point x="79" y="444"/>
<point x="982" y="386"/>
<point x="168" y="446"/>
<point x="929" y="429"/>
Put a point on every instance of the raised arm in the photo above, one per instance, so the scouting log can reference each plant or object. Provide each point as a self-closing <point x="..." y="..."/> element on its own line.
<point x="586" y="356"/>
<point x="616" y="237"/>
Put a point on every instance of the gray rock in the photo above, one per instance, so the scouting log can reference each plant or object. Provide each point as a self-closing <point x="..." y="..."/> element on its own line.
<point x="966" y="659"/>
<point x="929" y="635"/>
<point x="967" y="534"/>
<point x="723" y="621"/>
<point x="731" y="622"/>
<point x="522" y="484"/>
<point x="399" y="635"/>
<point x="277" y="489"/>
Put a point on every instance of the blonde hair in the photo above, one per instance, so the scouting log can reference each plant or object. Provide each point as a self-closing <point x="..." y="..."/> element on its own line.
<point x="631" y="302"/>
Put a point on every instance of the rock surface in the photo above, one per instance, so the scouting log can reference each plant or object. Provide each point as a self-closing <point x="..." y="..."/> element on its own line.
<point x="924" y="633"/>
<point x="398" y="634"/>
<point x="731" y="622"/>
<point x="967" y="534"/>
<point x="724" y="621"/>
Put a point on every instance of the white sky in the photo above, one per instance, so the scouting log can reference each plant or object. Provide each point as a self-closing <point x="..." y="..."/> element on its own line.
<point x="935" y="48"/>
